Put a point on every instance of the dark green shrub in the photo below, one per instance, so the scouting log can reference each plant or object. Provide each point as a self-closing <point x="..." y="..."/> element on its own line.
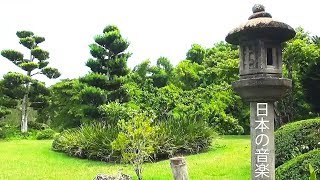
<point x="3" y="126"/>
<point x="37" y="126"/>
<point x="298" y="167"/>
<point x="7" y="132"/>
<point x="2" y="133"/>
<point x="89" y="141"/>
<point x="296" y="138"/>
<point x="13" y="132"/>
<point x="45" y="134"/>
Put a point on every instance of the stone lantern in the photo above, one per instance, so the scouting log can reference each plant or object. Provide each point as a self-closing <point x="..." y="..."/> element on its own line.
<point x="261" y="83"/>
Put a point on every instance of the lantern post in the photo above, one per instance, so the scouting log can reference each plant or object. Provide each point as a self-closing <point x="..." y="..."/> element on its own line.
<point x="261" y="83"/>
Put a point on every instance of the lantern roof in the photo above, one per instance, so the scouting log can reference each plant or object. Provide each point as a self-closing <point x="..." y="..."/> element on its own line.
<point x="260" y="25"/>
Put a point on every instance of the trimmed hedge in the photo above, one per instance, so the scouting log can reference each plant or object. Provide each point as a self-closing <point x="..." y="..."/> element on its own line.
<point x="297" y="168"/>
<point x="296" y="138"/>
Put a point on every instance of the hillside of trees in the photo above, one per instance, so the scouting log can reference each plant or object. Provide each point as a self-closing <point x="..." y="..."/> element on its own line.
<point x="200" y="85"/>
<point x="115" y="113"/>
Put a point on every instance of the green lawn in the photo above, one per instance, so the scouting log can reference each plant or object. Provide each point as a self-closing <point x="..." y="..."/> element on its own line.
<point x="31" y="159"/>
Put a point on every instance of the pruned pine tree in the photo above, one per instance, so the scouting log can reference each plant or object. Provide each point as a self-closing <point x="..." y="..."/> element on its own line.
<point x="22" y="86"/>
<point x="108" y="66"/>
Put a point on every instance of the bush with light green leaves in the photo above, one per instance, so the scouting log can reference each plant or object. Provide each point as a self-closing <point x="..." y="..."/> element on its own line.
<point x="136" y="141"/>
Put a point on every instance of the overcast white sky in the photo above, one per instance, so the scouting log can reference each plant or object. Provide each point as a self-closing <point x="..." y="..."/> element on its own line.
<point x="154" y="28"/>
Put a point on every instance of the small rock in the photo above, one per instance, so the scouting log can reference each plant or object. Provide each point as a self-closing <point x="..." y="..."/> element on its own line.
<point x="104" y="177"/>
<point x="120" y="176"/>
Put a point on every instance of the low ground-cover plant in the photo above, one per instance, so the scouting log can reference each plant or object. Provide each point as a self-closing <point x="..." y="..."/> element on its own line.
<point x="36" y="131"/>
<point x="182" y="135"/>
<point x="296" y="138"/>
<point x="298" y="167"/>
<point x="13" y="132"/>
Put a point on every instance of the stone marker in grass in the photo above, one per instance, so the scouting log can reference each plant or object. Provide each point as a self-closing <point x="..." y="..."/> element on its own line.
<point x="179" y="168"/>
<point x="261" y="82"/>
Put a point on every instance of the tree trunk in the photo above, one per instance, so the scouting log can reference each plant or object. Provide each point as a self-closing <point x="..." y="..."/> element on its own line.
<point x="24" y="114"/>
<point x="25" y="105"/>
<point x="179" y="168"/>
<point x="138" y="170"/>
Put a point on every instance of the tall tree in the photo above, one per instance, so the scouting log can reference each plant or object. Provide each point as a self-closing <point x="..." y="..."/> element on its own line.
<point x="196" y="54"/>
<point x="162" y="72"/>
<point x="316" y="40"/>
<point x="108" y="66"/>
<point x="24" y="84"/>
<point x="187" y="75"/>
<point x="311" y="85"/>
<point x="298" y="54"/>
<point x="221" y="64"/>
<point x="159" y="74"/>
<point x="64" y="110"/>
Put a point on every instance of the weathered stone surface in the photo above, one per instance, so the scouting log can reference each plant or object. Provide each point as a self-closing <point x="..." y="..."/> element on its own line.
<point x="258" y="8"/>
<point x="262" y="89"/>
<point x="259" y="15"/>
<point x="259" y="11"/>
<point x="179" y="168"/>
<point x="119" y="176"/>
<point x="261" y="82"/>
<point x="261" y="25"/>
<point x="262" y="154"/>
<point x="104" y="177"/>
<point x="259" y="28"/>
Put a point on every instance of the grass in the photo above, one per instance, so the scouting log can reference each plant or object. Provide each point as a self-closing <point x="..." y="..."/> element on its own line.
<point x="229" y="158"/>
